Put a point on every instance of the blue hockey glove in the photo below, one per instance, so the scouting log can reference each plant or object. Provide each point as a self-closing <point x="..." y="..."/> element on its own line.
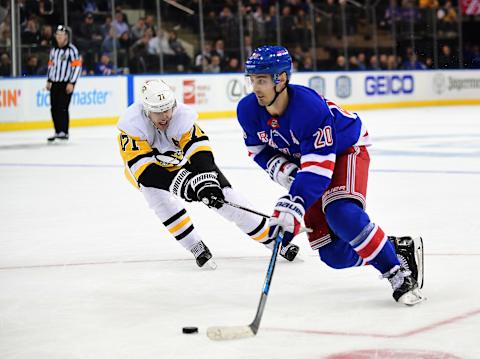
<point x="287" y="217"/>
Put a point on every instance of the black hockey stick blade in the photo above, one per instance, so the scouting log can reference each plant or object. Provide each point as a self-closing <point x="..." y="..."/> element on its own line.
<point x="246" y="331"/>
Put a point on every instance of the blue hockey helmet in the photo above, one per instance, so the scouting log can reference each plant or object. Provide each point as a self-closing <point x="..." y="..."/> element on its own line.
<point x="273" y="60"/>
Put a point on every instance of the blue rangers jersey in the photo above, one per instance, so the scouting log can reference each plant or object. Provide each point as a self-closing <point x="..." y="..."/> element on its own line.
<point x="311" y="132"/>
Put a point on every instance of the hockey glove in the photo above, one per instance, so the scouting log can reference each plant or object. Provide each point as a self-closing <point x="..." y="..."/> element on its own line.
<point x="180" y="185"/>
<point x="282" y="171"/>
<point x="207" y="189"/>
<point x="287" y="217"/>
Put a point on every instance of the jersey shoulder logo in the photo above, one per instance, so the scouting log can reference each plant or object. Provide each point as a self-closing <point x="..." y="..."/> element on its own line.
<point x="262" y="135"/>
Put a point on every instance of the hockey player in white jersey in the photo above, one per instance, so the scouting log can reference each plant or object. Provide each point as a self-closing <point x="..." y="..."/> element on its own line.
<point x="168" y="157"/>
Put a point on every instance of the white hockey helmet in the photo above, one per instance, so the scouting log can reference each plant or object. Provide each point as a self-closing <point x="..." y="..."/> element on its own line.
<point x="157" y="96"/>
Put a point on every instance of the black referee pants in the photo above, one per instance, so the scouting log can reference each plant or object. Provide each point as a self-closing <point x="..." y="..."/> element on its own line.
<point x="59" y="103"/>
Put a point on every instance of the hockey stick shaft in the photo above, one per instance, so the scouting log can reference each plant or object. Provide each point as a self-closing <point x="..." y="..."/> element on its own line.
<point x="245" y="331"/>
<point x="245" y="209"/>
<point x="266" y="286"/>
<point x="234" y="205"/>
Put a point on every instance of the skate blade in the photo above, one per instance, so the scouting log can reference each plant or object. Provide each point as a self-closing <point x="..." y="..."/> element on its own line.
<point x="210" y="265"/>
<point x="412" y="298"/>
<point x="418" y="243"/>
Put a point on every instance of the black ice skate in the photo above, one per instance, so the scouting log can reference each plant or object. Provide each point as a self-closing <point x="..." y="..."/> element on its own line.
<point x="62" y="136"/>
<point x="289" y="252"/>
<point x="410" y="254"/>
<point x="203" y="255"/>
<point x="405" y="287"/>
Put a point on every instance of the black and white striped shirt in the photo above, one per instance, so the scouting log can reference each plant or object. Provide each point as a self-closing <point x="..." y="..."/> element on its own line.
<point x="64" y="64"/>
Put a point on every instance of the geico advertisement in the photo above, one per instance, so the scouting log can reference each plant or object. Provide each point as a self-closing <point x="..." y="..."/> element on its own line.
<point x="206" y="93"/>
<point x="28" y="100"/>
<point x="393" y="86"/>
<point x="361" y="87"/>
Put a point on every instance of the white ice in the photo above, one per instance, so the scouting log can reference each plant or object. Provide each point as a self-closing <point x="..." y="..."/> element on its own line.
<point x="87" y="271"/>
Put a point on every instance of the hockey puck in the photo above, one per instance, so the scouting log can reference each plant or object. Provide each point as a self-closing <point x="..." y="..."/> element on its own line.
<point x="189" y="330"/>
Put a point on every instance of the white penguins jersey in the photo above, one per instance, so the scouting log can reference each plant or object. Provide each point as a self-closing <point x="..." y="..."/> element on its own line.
<point x="142" y="144"/>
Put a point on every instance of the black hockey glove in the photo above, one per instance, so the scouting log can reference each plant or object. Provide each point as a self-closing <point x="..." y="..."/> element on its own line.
<point x="180" y="185"/>
<point x="207" y="189"/>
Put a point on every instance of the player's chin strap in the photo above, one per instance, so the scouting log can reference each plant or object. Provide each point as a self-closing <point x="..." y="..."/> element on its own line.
<point x="277" y="93"/>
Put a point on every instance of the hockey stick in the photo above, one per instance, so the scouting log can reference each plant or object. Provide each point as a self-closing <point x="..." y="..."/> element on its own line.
<point x="245" y="331"/>
<point x="234" y="205"/>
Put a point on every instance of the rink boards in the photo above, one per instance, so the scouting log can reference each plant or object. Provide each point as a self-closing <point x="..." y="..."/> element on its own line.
<point x="25" y="104"/>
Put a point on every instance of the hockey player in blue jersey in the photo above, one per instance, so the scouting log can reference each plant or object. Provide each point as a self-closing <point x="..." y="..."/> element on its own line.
<point x="318" y="152"/>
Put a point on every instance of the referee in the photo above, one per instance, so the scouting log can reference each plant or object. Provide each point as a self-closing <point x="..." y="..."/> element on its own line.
<point x="64" y="68"/>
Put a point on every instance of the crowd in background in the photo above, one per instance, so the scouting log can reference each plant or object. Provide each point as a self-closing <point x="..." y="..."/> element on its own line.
<point x="139" y="43"/>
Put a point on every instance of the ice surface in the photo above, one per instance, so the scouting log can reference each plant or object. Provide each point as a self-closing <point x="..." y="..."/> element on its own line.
<point x="87" y="271"/>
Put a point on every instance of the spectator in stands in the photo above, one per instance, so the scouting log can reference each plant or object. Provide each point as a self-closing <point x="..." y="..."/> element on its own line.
<point x="259" y="26"/>
<point x="373" y="63"/>
<point x="340" y="63"/>
<point x="429" y="63"/>
<point x="298" y="54"/>
<point x="32" y="67"/>
<point x="125" y="41"/>
<point x="214" y="67"/>
<point x="446" y="60"/>
<point x="5" y="35"/>
<point x="271" y="24"/>
<point x="361" y="61"/>
<point x="233" y="65"/>
<point x="30" y="34"/>
<point x="219" y="50"/>
<point x="89" y="40"/>
<point x="138" y="59"/>
<point x="392" y="62"/>
<point x="412" y="63"/>
<point x="288" y="26"/>
<point x="119" y="24"/>
<point x="159" y="45"/>
<point x="211" y="25"/>
<point x="143" y="43"/>
<point x="383" y="61"/>
<point x="181" y="58"/>
<point x="228" y="26"/>
<point x="204" y="58"/>
<point x="138" y="29"/>
<point x="329" y="9"/>
<point x="5" y="65"/>
<point x="106" y="26"/>
<point x="104" y="66"/>
<point x="307" y="64"/>
<point x="150" y="23"/>
<point x="303" y="28"/>
<point x="110" y="41"/>
<point x="447" y="19"/>
<point x="46" y="36"/>
<point x="353" y="63"/>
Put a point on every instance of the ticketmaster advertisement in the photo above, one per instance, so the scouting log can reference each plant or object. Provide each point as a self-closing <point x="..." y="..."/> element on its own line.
<point x="26" y="100"/>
